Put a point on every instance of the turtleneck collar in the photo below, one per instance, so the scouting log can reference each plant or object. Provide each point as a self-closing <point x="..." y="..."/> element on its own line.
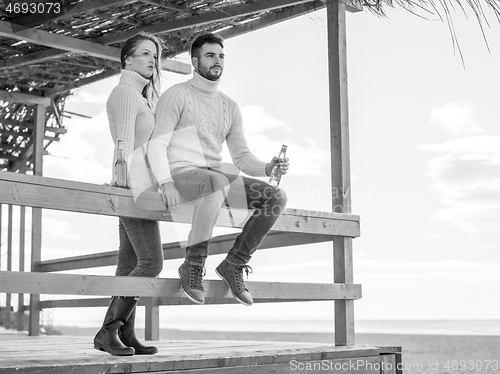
<point x="133" y="79"/>
<point x="204" y="85"/>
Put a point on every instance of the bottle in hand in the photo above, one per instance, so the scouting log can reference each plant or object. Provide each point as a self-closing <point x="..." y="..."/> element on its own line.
<point x="121" y="166"/>
<point x="275" y="178"/>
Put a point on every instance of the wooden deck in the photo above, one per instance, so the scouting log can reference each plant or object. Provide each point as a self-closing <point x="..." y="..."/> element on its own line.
<point x="20" y="353"/>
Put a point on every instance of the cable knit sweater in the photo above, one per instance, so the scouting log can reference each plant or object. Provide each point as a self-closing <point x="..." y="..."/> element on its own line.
<point x="132" y="120"/>
<point x="193" y="119"/>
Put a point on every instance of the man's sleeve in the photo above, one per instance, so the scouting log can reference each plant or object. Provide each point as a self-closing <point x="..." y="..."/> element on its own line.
<point x="168" y="114"/>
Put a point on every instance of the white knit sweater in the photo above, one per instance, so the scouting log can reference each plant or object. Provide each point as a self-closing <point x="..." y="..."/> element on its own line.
<point x="132" y="120"/>
<point x="193" y="119"/>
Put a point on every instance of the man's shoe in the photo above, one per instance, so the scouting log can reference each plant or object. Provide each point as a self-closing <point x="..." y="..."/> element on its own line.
<point x="232" y="275"/>
<point x="192" y="282"/>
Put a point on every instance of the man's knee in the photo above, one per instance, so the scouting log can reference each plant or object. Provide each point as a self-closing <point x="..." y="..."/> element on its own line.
<point x="279" y="197"/>
<point x="212" y="183"/>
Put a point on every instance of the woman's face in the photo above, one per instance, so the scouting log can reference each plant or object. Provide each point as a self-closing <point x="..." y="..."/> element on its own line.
<point x="144" y="59"/>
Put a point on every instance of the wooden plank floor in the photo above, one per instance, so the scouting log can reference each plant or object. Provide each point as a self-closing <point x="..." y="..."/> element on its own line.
<point x="20" y="353"/>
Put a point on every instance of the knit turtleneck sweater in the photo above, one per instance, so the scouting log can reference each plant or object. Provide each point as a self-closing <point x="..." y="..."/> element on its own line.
<point x="193" y="119"/>
<point x="132" y="120"/>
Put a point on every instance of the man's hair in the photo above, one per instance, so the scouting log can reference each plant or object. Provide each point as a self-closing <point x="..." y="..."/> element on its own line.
<point x="204" y="39"/>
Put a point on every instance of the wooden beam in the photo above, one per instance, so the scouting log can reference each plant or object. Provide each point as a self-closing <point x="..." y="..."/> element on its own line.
<point x="8" y="157"/>
<point x="32" y="58"/>
<point x="39" y="133"/>
<point x="218" y="245"/>
<point x="59" y="89"/>
<point x="23" y="98"/>
<point x="8" y="297"/>
<point x="48" y="39"/>
<point x="14" y="133"/>
<point x="219" y="15"/>
<point x="36" y="219"/>
<point x="65" y="195"/>
<point x="152" y="320"/>
<point x="78" y="284"/>
<point x="170" y="6"/>
<point x="11" y="147"/>
<point x="1" y="230"/>
<point x="175" y="66"/>
<point x="340" y="175"/>
<point x="22" y="237"/>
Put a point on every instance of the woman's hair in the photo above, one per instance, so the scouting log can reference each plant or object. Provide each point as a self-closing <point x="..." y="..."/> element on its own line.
<point x="151" y="91"/>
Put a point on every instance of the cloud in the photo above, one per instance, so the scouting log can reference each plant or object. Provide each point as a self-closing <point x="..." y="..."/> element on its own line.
<point x="306" y="157"/>
<point x="371" y="270"/>
<point x="467" y="176"/>
<point x="84" y="154"/>
<point x="90" y="101"/>
<point x="459" y="119"/>
<point x="257" y="121"/>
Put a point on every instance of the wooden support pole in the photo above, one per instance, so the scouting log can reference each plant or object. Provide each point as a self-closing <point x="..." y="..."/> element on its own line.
<point x="340" y="164"/>
<point x="36" y="219"/>
<point x="8" y="300"/>
<point x="1" y="209"/>
<point x="152" y="330"/>
<point x="22" y="233"/>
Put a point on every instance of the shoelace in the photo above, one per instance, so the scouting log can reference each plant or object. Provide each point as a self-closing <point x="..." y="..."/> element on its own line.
<point x="238" y="274"/>
<point x="196" y="278"/>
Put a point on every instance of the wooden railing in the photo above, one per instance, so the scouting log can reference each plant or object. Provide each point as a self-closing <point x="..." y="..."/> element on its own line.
<point x="294" y="227"/>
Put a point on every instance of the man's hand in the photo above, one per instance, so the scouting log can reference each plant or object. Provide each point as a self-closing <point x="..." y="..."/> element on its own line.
<point x="171" y="197"/>
<point x="283" y="165"/>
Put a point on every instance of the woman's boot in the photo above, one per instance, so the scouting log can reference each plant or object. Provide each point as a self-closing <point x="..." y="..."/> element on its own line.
<point x="128" y="337"/>
<point x="118" y="313"/>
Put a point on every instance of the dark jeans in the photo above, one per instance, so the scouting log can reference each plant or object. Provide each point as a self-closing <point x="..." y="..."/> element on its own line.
<point x="211" y="190"/>
<point x="140" y="253"/>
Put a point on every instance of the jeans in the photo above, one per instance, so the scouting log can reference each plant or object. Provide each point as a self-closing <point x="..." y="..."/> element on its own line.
<point x="141" y="252"/>
<point x="211" y="189"/>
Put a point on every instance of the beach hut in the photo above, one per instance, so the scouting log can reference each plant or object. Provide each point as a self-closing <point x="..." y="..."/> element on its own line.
<point x="49" y="49"/>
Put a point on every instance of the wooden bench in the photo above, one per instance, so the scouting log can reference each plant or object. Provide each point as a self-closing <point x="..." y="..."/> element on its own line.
<point x="294" y="227"/>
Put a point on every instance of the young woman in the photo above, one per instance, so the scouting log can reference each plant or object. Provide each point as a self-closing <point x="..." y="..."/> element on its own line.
<point x="130" y="109"/>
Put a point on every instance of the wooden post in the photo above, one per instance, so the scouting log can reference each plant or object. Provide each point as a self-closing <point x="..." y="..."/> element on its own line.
<point x="36" y="218"/>
<point x="152" y="330"/>
<point x="8" y="301"/>
<point x="341" y="183"/>
<point x="1" y="208"/>
<point x="20" y="302"/>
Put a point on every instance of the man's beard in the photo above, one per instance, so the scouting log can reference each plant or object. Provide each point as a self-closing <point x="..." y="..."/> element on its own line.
<point x="204" y="72"/>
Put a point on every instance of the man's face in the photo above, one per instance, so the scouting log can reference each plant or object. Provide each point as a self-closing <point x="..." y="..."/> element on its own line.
<point x="210" y="63"/>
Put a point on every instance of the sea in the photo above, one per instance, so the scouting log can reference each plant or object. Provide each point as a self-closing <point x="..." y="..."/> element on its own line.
<point x="428" y="346"/>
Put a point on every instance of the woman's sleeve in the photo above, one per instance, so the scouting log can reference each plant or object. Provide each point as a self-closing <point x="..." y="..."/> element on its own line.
<point x="123" y="107"/>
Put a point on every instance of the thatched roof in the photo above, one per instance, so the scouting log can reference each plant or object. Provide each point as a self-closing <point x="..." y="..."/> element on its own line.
<point x="50" y="54"/>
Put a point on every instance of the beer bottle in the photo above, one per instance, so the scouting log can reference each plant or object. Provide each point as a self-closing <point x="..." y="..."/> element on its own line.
<point x="121" y="166"/>
<point x="275" y="178"/>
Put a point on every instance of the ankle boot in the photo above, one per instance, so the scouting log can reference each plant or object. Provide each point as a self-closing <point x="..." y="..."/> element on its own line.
<point x="128" y="337"/>
<point x="117" y="315"/>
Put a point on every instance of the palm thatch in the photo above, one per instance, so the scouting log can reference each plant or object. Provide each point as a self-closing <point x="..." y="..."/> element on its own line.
<point x="49" y="54"/>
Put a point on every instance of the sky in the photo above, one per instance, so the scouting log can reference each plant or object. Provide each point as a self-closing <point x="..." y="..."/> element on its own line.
<point x="425" y="163"/>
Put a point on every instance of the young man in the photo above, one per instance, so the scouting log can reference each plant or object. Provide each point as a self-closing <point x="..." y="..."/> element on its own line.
<point x="193" y="119"/>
